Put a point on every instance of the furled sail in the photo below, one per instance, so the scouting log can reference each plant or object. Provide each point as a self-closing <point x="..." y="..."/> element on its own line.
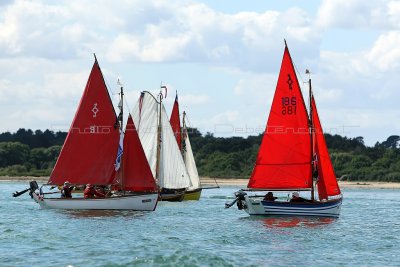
<point x="176" y="123"/>
<point x="89" y="151"/>
<point x="284" y="158"/>
<point x="135" y="173"/>
<point x="327" y="184"/>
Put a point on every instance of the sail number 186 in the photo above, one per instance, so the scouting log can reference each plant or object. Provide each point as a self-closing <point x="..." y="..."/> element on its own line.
<point x="288" y="105"/>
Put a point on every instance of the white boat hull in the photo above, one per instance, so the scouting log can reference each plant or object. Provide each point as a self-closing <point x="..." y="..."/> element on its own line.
<point x="140" y="202"/>
<point x="257" y="206"/>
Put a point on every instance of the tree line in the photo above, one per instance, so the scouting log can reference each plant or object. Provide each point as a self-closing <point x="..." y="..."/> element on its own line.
<point x="35" y="153"/>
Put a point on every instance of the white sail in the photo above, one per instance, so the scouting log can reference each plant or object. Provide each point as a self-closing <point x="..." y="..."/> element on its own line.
<point x="173" y="174"/>
<point x="145" y="117"/>
<point x="190" y="163"/>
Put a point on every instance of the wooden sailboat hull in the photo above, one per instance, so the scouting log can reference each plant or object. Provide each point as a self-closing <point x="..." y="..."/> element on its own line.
<point x="139" y="202"/>
<point x="254" y="206"/>
<point x="193" y="194"/>
<point x="173" y="197"/>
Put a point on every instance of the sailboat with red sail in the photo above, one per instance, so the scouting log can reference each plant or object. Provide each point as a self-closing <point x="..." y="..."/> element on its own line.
<point x="92" y="154"/>
<point x="293" y="156"/>
<point x="182" y="138"/>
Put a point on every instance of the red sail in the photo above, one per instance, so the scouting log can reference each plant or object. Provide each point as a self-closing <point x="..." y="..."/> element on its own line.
<point x="327" y="183"/>
<point x="284" y="158"/>
<point x="175" y="122"/>
<point x="90" y="149"/>
<point x="136" y="173"/>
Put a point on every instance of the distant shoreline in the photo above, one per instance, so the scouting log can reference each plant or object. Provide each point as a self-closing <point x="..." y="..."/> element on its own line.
<point x="342" y="184"/>
<point x="206" y="181"/>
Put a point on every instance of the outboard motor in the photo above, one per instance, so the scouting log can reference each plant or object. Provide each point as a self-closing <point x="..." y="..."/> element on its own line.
<point x="239" y="199"/>
<point x="32" y="187"/>
<point x="241" y="203"/>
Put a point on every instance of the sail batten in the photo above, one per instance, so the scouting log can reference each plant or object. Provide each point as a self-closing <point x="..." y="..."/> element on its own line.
<point x="90" y="149"/>
<point x="283" y="160"/>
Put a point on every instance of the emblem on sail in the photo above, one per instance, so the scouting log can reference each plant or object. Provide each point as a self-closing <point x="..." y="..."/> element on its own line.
<point x="292" y="160"/>
<point x="95" y="109"/>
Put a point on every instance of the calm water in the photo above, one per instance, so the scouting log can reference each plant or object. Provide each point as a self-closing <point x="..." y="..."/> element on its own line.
<point x="200" y="233"/>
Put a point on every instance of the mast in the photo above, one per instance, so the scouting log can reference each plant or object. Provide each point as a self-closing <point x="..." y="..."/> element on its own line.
<point x="183" y="134"/>
<point x="159" y="139"/>
<point x="121" y="121"/>
<point x="311" y="136"/>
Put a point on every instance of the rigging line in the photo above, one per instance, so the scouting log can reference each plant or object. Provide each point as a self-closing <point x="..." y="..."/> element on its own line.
<point x="127" y="105"/>
<point x="298" y="72"/>
<point x="187" y="118"/>
<point x="215" y="179"/>
<point x="299" y="75"/>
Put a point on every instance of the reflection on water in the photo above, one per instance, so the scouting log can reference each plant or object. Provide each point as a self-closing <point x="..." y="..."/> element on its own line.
<point x="291" y="222"/>
<point x="103" y="213"/>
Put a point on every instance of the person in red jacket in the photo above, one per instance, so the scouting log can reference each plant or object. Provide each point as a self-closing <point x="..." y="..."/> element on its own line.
<point x="90" y="192"/>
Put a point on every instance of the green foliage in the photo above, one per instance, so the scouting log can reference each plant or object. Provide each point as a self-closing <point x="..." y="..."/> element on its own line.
<point x="29" y="153"/>
<point x="35" y="153"/>
<point x="13" y="153"/>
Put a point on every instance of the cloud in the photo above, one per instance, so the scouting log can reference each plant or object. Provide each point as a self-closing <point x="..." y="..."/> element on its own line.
<point x="195" y="32"/>
<point x="359" y="14"/>
<point x="385" y="54"/>
<point x="45" y="49"/>
<point x="161" y="31"/>
<point x="191" y="99"/>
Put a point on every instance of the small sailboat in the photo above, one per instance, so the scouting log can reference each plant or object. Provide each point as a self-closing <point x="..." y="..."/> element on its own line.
<point x="89" y="154"/>
<point x="162" y="150"/>
<point x="182" y="139"/>
<point x="292" y="157"/>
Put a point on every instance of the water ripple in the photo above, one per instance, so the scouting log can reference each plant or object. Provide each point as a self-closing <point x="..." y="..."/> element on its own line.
<point x="199" y="233"/>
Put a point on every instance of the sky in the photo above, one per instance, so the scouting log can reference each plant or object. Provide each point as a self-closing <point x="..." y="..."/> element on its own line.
<point x="222" y="57"/>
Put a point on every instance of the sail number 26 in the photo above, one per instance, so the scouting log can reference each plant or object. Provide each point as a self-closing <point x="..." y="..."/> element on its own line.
<point x="288" y="105"/>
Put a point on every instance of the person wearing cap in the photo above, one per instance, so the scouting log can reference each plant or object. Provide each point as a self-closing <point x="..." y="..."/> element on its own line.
<point x="296" y="198"/>
<point x="90" y="192"/>
<point x="66" y="191"/>
<point x="269" y="197"/>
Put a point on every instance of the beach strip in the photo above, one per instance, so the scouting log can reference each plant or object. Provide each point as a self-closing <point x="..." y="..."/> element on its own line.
<point x="209" y="182"/>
